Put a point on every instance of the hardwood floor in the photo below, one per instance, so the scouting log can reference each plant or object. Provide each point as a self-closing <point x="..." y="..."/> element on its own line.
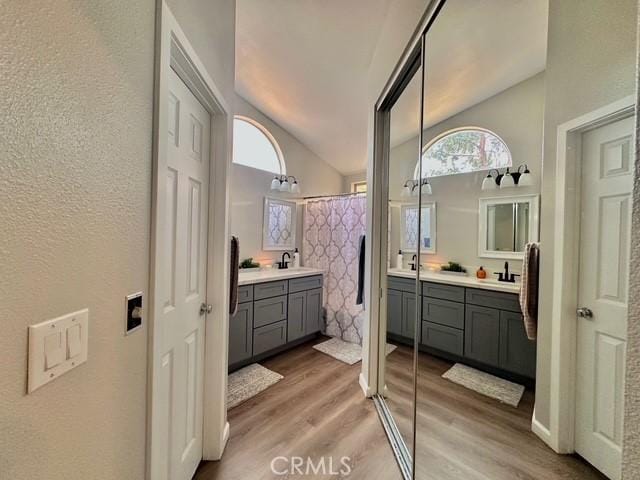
<point x="316" y="411"/>
<point x="464" y="435"/>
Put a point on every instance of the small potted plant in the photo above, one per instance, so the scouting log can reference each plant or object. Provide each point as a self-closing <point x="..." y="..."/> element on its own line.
<point x="453" y="268"/>
<point x="248" y="265"/>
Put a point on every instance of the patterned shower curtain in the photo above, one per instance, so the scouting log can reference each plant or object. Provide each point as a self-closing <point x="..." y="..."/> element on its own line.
<point x="332" y="228"/>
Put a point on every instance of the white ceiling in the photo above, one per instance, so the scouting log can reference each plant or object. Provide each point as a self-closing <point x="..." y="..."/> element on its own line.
<point x="304" y="64"/>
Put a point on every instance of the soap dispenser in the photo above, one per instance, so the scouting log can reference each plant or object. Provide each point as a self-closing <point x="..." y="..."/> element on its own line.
<point x="481" y="273"/>
<point x="296" y="259"/>
<point x="399" y="260"/>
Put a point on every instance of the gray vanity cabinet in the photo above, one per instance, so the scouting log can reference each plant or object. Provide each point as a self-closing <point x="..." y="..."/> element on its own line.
<point x="313" y="319"/>
<point x="482" y="334"/>
<point x="408" y="315"/>
<point x="517" y="352"/>
<point x="394" y="312"/>
<point x="296" y="315"/>
<point x="273" y="316"/>
<point x="241" y="334"/>
<point x="304" y="313"/>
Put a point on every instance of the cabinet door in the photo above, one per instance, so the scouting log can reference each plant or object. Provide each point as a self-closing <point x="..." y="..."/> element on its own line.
<point x="394" y="312"/>
<point x="297" y="312"/>
<point x="482" y="334"/>
<point x="408" y="315"/>
<point x="313" y="318"/>
<point x="517" y="352"/>
<point x="241" y="334"/>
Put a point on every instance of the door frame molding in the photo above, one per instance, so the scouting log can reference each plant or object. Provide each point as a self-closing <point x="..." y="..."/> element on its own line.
<point x="560" y="435"/>
<point x="174" y="51"/>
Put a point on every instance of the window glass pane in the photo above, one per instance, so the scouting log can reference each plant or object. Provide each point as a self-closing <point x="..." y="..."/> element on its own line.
<point x="463" y="151"/>
<point x="252" y="148"/>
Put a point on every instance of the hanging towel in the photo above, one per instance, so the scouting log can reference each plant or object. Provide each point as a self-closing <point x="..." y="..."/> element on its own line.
<point x="234" y="257"/>
<point x="529" y="289"/>
<point x="360" y="298"/>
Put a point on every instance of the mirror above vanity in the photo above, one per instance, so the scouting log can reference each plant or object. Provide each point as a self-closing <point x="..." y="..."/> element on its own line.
<point x="279" y="225"/>
<point x="506" y="225"/>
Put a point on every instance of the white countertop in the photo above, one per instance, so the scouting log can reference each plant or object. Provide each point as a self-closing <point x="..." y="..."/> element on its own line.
<point x="273" y="274"/>
<point x="463" y="281"/>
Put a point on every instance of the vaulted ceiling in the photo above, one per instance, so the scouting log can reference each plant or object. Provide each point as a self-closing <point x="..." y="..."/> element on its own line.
<point x="304" y="64"/>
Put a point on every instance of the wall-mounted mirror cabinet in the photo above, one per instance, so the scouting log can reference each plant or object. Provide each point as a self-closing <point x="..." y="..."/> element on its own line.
<point x="506" y="225"/>
<point x="279" y="225"/>
<point x="409" y="235"/>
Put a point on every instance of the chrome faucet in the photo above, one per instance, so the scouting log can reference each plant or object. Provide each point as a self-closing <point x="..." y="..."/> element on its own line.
<point x="284" y="263"/>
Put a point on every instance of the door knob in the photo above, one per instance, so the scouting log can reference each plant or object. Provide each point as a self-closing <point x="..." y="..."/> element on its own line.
<point x="585" y="312"/>
<point x="206" y="308"/>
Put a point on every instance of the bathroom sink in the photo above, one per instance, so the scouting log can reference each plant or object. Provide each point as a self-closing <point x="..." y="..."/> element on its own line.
<point x="494" y="281"/>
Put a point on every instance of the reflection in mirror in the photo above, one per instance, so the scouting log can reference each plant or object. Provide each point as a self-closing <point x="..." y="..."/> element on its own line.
<point x="506" y="225"/>
<point x="279" y="225"/>
<point x="402" y="234"/>
<point x="409" y="228"/>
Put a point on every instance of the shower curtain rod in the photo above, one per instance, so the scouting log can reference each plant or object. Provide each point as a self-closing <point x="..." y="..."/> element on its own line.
<point x="338" y="195"/>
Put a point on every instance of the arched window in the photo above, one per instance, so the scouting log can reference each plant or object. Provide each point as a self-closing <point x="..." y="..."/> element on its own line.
<point x="254" y="146"/>
<point x="463" y="150"/>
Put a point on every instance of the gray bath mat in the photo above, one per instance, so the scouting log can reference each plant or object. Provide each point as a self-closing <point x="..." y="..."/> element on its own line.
<point x="248" y="382"/>
<point x="349" y="353"/>
<point x="485" y="383"/>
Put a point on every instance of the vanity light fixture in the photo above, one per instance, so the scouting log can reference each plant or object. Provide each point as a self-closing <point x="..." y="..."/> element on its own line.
<point x="280" y="183"/>
<point x="507" y="179"/>
<point x="410" y="188"/>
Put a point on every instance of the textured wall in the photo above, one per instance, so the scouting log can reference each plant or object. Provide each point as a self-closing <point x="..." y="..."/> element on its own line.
<point x="249" y="186"/>
<point x="631" y="451"/>
<point x="516" y="116"/>
<point x="590" y="63"/>
<point x="76" y="95"/>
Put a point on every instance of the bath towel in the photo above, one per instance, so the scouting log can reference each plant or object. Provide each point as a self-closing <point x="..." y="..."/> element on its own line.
<point x="234" y="258"/>
<point x="529" y="289"/>
<point x="360" y="298"/>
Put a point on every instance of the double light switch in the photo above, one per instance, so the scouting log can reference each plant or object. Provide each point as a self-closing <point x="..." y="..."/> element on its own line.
<point x="56" y="346"/>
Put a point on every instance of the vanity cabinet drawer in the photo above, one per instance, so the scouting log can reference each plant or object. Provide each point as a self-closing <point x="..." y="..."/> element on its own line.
<point x="270" y="289"/>
<point x="443" y="312"/>
<point x="489" y="298"/>
<point x="443" y="338"/>
<point x="245" y="293"/>
<point x="269" y="310"/>
<point x="305" y="283"/>
<point x="444" y="292"/>
<point x="401" y="284"/>
<point x="269" y="337"/>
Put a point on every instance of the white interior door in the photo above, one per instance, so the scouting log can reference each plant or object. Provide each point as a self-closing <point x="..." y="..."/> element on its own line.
<point x="181" y="271"/>
<point x="607" y="181"/>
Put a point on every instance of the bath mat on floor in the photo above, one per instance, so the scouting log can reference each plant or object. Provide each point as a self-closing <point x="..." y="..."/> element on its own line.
<point x="249" y="381"/>
<point x="349" y="353"/>
<point x="485" y="383"/>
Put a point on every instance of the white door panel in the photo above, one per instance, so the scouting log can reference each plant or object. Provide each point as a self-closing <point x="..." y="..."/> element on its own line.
<point x="181" y="271"/>
<point x="607" y="181"/>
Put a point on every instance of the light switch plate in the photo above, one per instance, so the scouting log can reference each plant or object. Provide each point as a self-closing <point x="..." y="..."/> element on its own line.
<point x="56" y="346"/>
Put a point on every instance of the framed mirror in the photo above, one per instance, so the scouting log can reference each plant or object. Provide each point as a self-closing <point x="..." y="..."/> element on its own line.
<point x="506" y="225"/>
<point x="279" y="225"/>
<point x="409" y="228"/>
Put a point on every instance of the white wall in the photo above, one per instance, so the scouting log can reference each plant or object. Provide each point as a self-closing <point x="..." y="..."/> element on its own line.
<point x="516" y="115"/>
<point x="75" y="206"/>
<point x="591" y="62"/>
<point x="353" y="178"/>
<point x="250" y="186"/>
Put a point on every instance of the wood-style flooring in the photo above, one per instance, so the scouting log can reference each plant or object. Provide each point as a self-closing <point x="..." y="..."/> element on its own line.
<point x="462" y="434"/>
<point x="317" y="410"/>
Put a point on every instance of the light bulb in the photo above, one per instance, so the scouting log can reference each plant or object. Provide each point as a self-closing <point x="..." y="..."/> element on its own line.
<point x="295" y="188"/>
<point x="275" y="183"/>
<point x="284" y="186"/>
<point x="426" y="189"/>
<point x="526" y="179"/>
<point x="507" y="180"/>
<point x="489" y="183"/>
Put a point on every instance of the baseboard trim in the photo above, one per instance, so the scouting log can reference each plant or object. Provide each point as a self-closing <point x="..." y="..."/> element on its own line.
<point x="364" y="386"/>
<point x="541" y="431"/>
